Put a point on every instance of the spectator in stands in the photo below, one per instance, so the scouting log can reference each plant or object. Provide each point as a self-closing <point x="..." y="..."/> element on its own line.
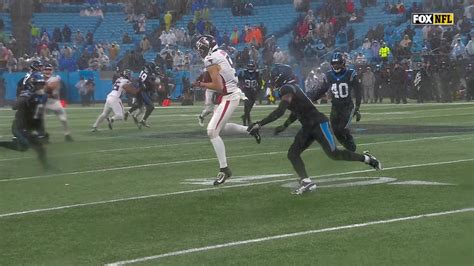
<point x="280" y="57"/>
<point x="470" y="48"/>
<point x="11" y="61"/>
<point x="191" y="28"/>
<point x="360" y="59"/>
<point x="44" y="38"/>
<point x="234" y="37"/>
<point x="81" y="87"/>
<point x="458" y="50"/>
<point x="384" y="52"/>
<point x="254" y="54"/>
<point x="89" y="37"/>
<point x="405" y="43"/>
<point x="114" y="50"/>
<point x="57" y="37"/>
<point x="66" y="33"/>
<point x="104" y="61"/>
<point x="126" y="38"/>
<point x="168" y="20"/>
<point x="12" y="45"/>
<point x="410" y="32"/>
<point x="464" y="25"/>
<point x="79" y="38"/>
<point x="169" y="61"/>
<point x="375" y="47"/>
<point x="366" y="44"/>
<point x="44" y="51"/>
<point x="145" y="45"/>
<point x="200" y="26"/>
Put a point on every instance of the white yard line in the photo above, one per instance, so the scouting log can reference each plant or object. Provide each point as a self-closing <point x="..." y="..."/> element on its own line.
<point x="283" y="236"/>
<point x="199" y="160"/>
<point x="215" y="188"/>
<point x="204" y="142"/>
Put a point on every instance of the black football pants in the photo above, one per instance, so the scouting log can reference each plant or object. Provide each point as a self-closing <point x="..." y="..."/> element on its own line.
<point x="341" y="117"/>
<point x="322" y="134"/>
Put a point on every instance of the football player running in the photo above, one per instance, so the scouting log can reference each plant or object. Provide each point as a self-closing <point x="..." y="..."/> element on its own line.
<point x="28" y="128"/>
<point x="315" y="127"/>
<point x="342" y="83"/>
<point x="113" y="104"/>
<point x="146" y="84"/>
<point x="223" y="81"/>
<point x="250" y="82"/>
<point x="53" y="105"/>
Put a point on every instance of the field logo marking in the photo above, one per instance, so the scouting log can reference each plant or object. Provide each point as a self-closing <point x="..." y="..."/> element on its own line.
<point x="359" y="181"/>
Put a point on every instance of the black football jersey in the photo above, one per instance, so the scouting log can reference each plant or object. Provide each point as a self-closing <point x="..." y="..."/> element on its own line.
<point x="302" y="106"/>
<point x="250" y="80"/>
<point x="342" y="87"/>
<point x="146" y="80"/>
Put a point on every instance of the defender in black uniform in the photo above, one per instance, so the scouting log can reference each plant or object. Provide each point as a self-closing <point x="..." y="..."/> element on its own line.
<point x="250" y="82"/>
<point x="27" y="127"/>
<point x="343" y="83"/>
<point x="315" y="126"/>
<point x="146" y="84"/>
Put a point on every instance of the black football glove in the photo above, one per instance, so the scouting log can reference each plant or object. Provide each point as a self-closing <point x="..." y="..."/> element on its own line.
<point x="279" y="129"/>
<point x="357" y="115"/>
<point x="254" y="127"/>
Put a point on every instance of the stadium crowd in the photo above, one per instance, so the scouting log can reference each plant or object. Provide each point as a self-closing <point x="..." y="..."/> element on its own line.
<point x="316" y="34"/>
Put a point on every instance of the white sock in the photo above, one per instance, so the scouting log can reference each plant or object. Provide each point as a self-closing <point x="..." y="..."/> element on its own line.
<point x="99" y="120"/>
<point x="230" y="128"/>
<point x="219" y="148"/>
<point x="366" y="159"/>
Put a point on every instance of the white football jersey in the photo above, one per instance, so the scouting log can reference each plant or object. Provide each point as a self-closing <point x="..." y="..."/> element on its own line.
<point x="117" y="90"/>
<point x="53" y="93"/>
<point x="227" y="72"/>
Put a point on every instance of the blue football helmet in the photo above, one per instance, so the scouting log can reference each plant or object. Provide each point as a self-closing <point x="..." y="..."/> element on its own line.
<point x="338" y="63"/>
<point x="281" y="74"/>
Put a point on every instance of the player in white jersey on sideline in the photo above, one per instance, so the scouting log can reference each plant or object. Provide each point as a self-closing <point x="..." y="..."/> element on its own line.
<point x="114" y="100"/>
<point x="53" y="105"/>
<point x="223" y="81"/>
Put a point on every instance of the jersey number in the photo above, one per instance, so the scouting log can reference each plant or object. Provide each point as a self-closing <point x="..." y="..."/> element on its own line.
<point x="143" y="76"/>
<point x="116" y="86"/>
<point x="341" y="91"/>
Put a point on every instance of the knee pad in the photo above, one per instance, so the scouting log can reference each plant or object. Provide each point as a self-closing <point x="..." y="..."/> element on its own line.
<point x="62" y="116"/>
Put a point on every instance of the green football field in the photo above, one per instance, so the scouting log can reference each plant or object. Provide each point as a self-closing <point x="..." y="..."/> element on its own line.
<point x="145" y="197"/>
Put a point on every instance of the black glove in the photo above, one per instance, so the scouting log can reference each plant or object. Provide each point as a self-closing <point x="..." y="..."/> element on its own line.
<point x="357" y="115"/>
<point x="254" y="127"/>
<point x="279" y="129"/>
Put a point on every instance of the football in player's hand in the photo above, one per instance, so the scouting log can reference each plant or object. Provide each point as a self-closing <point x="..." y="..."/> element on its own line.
<point x="205" y="77"/>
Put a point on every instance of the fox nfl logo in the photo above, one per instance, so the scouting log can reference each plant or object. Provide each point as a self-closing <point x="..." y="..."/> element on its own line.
<point x="432" y="18"/>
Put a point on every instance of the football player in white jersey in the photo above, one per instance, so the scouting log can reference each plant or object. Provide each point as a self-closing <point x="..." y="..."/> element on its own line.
<point x="53" y="105"/>
<point x="223" y="81"/>
<point x="114" y="100"/>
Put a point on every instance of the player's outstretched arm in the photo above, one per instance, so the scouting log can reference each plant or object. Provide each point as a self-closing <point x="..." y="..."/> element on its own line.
<point x="277" y="113"/>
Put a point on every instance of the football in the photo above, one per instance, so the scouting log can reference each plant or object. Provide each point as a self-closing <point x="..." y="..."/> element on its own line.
<point x="205" y="77"/>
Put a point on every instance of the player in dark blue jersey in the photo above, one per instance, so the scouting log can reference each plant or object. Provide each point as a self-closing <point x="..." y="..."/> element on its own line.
<point x="343" y="84"/>
<point x="146" y="85"/>
<point x="27" y="127"/>
<point x="315" y="126"/>
<point x="250" y="82"/>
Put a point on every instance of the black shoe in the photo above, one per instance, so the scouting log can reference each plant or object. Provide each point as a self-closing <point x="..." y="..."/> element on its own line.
<point x="109" y="122"/>
<point x="256" y="135"/>
<point x="68" y="138"/>
<point x="125" y="116"/>
<point x="222" y="176"/>
<point x="143" y="124"/>
<point x="305" y="187"/>
<point x="376" y="164"/>
<point x="201" y="120"/>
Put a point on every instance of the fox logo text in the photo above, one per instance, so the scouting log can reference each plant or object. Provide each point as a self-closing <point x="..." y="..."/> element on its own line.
<point x="432" y="18"/>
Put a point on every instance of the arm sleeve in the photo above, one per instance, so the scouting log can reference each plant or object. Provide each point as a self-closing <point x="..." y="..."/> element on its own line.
<point x="277" y="113"/>
<point x="292" y="118"/>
